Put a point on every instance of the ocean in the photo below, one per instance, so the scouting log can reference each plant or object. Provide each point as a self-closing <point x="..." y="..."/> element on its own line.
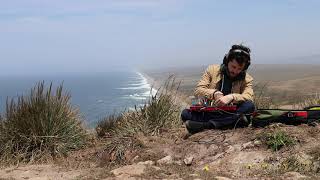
<point x="97" y="94"/>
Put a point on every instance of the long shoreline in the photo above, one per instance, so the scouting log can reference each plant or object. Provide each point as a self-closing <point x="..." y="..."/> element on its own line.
<point x="151" y="81"/>
<point x="156" y="85"/>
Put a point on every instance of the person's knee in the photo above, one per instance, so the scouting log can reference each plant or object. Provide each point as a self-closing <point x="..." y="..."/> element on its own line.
<point x="185" y="115"/>
<point x="246" y="107"/>
<point x="249" y="105"/>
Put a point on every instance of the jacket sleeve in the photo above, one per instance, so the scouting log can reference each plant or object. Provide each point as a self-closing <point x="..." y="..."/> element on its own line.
<point x="247" y="94"/>
<point x="202" y="88"/>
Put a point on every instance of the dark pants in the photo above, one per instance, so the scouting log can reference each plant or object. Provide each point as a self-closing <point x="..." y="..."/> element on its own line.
<point x="221" y="119"/>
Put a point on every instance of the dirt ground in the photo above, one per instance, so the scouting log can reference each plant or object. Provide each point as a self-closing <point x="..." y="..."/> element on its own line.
<point x="212" y="154"/>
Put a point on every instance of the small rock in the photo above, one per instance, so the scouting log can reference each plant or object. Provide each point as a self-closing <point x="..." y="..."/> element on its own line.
<point x="147" y="163"/>
<point x="188" y="161"/>
<point x="135" y="169"/>
<point x="237" y="147"/>
<point x="194" y="175"/>
<point x="221" y="178"/>
<point x="213" y="148"/>
<point x="135" y="158"/>
<point x="257" y="142"/>
<point x="230" y="149"/>
<point x="165" y="160"/>
<point x="179" y="162"/>
<point x="125" y="176"/>
<point x="217" y="156"/>
<point x="316" y="166"/>
<point x="294" y="175"/>
<point x="247" y="145"/>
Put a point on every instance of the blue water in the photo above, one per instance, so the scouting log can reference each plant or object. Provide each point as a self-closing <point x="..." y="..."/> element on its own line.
<point x="97" y="95"/>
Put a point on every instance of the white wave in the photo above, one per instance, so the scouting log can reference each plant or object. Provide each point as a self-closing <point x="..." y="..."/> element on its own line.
<point x="131" y="108"/>
<point x="148" y="93"/>
<point x="139" y="98"/>
<point x="143" y="84"/>
<point x="136" y="84"/>
<point x="138" y="106"/>
<point x="135" y="96"/>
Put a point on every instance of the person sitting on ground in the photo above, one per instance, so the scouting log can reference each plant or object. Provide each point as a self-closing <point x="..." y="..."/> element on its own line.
<point x="224" y="84"/>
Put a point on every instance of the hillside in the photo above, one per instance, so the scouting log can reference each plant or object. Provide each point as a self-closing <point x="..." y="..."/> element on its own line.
<point x="213" y="154"/>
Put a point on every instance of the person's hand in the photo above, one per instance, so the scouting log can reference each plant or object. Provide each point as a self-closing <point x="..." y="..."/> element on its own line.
<point x="224" y="100"/>
<point x="217" y="95"/>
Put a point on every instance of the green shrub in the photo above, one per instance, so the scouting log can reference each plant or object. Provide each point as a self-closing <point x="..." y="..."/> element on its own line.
<point x="40" y="126"/>
<point x="278" y="139"/>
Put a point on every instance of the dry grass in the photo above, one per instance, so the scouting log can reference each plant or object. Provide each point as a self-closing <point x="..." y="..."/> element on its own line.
<point x="108" y="125"/>
<point x="160" y="112"/>
<point x="307" y="102"/>
<point x="119" y="151"/>
<point x="261" y="101"/>
<point x="296" y="163"/>
<point x="40" y="126"/>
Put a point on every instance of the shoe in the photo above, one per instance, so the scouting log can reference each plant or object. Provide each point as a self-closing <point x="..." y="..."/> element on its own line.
<point x="243" y="121"/>
<point x="195" y="126"/>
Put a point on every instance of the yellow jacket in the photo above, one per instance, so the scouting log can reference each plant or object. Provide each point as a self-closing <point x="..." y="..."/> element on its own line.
<point x="208" y="84"/>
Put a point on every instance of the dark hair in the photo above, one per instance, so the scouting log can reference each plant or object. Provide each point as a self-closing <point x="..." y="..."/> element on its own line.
<point x="240" y="53"/>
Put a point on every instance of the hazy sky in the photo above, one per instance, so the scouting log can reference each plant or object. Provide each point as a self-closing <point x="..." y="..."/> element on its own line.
<point x="42" y="36"/>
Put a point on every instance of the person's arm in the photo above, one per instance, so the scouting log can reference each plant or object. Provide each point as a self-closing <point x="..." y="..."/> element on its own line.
<point x="202" y="88"/>
<point x="247" y="94"/>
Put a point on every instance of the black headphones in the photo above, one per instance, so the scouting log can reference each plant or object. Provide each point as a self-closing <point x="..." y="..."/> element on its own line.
<point x="238" y="51"/>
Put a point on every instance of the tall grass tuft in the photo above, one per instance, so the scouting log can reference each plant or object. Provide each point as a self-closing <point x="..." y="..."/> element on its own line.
<point x="161" y="111"/>
<point x="108" y="125"/>
<point x="307" y="101"/>
<point x="261" y="101"/>
<point x="39" y="126"/>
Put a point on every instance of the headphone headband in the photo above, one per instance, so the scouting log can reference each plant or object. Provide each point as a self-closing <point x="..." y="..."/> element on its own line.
<point x="240" y="51"/>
